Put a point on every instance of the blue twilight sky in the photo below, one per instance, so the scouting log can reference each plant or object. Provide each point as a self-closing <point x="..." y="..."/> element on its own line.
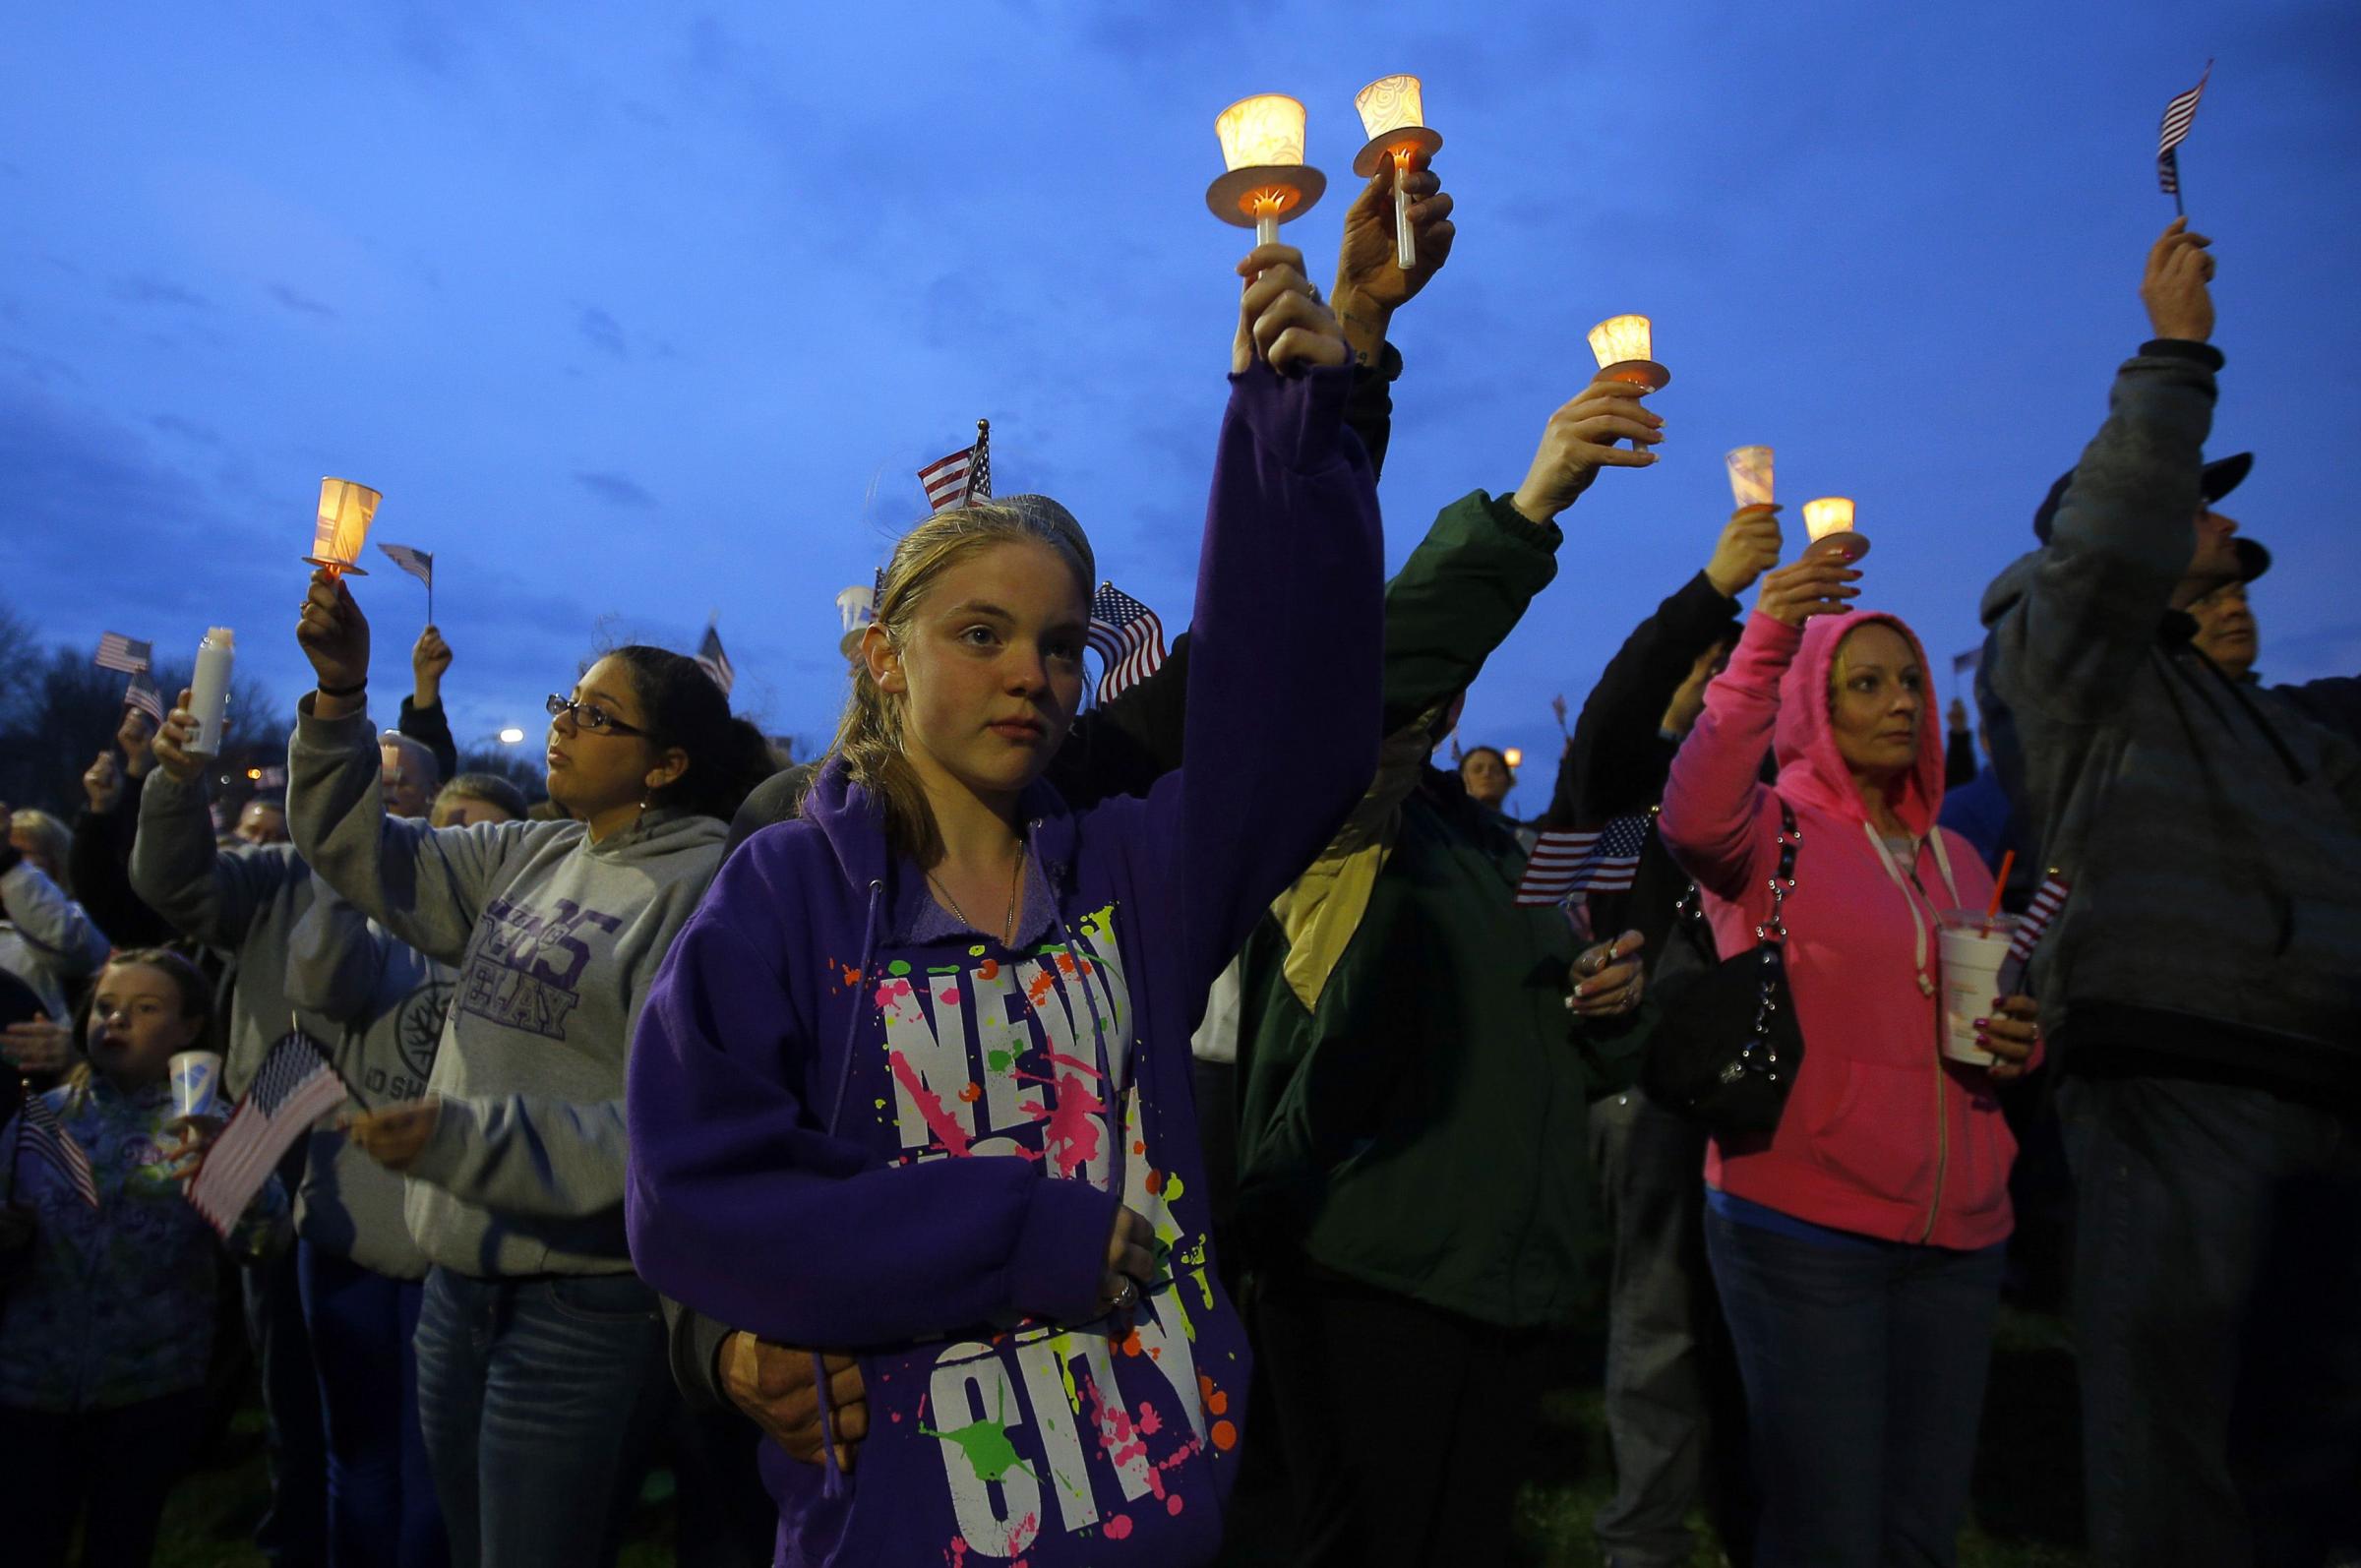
<point x="639" y="313"/>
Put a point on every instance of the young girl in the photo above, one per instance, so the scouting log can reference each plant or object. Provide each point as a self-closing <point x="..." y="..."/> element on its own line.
<point x="106" y="1310"/>
<point x="539" y="1350"/>
<point x="1858" y="1248"/>
<point x="915" y="1083"/>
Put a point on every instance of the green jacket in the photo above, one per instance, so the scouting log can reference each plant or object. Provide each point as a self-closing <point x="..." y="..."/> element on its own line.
<point x="1419" y="1124"/>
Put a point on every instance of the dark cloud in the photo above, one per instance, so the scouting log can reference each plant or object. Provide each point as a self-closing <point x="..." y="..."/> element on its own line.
<point x="304" y="304"/>
<point x="142" y="288"/>
<point x="187" y="429"/>
<point x="604" y="331"/>
<point x="619" y="490"/>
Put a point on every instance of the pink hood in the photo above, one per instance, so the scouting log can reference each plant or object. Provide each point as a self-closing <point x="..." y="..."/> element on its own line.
<point x="1811" y="772"/>
<point x="1881" y="1135"/>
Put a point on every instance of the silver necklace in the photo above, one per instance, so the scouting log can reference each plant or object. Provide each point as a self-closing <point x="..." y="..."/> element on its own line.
<point x="1016" y="882"/>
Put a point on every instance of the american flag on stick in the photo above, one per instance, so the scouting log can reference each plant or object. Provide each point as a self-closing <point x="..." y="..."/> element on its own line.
<point x="2048" y="899"/>
<point x="41" y="1132"/>
<point x="295" y="1088"/>
<point x="963" y="477"/>
<point x="127" y="654"/>
<point x="714" y="662"/>
<point x="1128" y="637"/>
<point x="2179" y="114"/>
<point x="1566" y="864"/>
<point x="272" y="779"/>
<point x="138" y="693"/>
<point x="419" y="563"/>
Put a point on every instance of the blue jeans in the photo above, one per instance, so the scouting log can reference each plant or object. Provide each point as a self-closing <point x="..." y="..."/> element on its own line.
<point x="2217" y="1269"/>
<point x="535" y="1397"/>
<point x="1864" y="1369"/>
<point x="381" y="1496"/>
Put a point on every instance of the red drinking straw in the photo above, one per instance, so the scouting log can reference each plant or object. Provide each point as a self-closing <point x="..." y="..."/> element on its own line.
<point x="2000" y="885"/>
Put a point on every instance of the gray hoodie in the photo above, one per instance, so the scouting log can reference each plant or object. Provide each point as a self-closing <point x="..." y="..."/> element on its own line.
<point x="46" y="939"/>
<point x="557" y="941"/>
<point x="258" y="904"/>
<point x="2211" y="830"/>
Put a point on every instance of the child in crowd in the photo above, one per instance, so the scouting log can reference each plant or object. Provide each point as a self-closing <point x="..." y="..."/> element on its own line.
<point x="107" y="1306"/>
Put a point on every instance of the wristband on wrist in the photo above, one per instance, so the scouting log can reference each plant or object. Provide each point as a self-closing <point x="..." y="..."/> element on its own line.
<point x="355" y="690"/>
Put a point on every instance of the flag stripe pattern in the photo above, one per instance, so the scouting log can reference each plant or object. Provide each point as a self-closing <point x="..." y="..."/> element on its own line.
<point x="1567" y="864"/>
<point x="274" y="778"/>
<point x="138" y="693"/>
<point x="2179" y="114"/>
<point x="1128" y="637"/>
<point x="2048" y="899"/>
<point x="39" y="1130"/>
<point x="945" y="480"/>
<point x="419" y="563"/>
<point x="714" y="662"/>
<point x="295" y="1088"/>
<point x="127" y="654"/>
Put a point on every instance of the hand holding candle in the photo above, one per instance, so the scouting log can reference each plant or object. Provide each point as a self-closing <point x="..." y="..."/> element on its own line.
<point x="334" y="636"/>
<point x="1393" y="112"/>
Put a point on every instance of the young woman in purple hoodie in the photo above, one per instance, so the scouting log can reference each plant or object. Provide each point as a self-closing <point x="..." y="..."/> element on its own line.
<point x="914" y="1082"/>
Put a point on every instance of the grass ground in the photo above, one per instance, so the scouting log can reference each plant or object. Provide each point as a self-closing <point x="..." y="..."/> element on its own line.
<point x="2028" y="1489"/>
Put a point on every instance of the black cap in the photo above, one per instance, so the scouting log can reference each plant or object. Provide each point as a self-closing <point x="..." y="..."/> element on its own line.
<point x="2214" y="481"/>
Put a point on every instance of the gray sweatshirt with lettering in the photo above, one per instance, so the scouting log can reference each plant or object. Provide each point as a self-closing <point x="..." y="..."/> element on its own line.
<point x="256" y="904"/>
<point x="557" y="941"/>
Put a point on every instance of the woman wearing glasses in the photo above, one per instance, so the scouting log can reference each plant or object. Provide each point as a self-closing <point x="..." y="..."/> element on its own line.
<point x="536" y="1342"/>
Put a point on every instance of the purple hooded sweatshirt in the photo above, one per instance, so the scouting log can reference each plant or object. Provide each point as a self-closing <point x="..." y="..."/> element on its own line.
<point x="857" y="1124"/>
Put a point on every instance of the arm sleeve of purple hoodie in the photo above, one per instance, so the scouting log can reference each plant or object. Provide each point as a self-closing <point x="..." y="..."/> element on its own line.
<point x="1286" y="676"/>
<point x="1714" y="802"/>
<point x="741" y="1207"/>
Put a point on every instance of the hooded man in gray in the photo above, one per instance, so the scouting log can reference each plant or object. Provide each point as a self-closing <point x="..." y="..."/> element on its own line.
<point x="2202" y="987"/>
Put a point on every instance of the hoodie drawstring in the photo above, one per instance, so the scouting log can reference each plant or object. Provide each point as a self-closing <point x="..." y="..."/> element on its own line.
<point x="1927" y="982"/>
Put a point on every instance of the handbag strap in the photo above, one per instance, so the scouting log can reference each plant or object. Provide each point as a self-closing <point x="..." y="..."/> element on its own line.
<point x="1760" y="1053"/>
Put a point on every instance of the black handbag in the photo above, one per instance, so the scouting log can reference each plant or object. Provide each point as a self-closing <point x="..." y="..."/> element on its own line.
<point x="1726" y="1047"/>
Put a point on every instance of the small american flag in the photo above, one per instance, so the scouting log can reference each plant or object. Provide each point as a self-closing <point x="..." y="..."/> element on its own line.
<point x="295" y="1088"/>
<point x="138" y="693"/>
<point x="1966" y="663"/>
<point x="2048" y="899"/>
<point x="127" y="654"/>
<point x="963" y="476"/>
<point x="39" y="1130"/>
<point x="2179" y="114"/>
<point x="1127" y="639"/>
<point x="419" y="563"/>
<point x="1566" y="865"/>
<point x="714" y="662"/>
<point x="272" y="779"/>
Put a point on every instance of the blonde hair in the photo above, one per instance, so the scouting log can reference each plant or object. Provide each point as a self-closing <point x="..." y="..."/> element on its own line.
<point x="54" y="839"/>
<point x="870" y="737"/>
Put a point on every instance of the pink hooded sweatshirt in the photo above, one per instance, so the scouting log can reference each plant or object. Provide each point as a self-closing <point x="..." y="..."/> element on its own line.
<point x="1881" y="1135"/>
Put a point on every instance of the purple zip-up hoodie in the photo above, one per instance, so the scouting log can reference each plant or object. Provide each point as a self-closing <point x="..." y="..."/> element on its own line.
<point x="857" y="1124"/>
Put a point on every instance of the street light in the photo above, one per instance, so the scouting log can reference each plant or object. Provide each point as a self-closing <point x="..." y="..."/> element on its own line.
<point x="510" y="736"/>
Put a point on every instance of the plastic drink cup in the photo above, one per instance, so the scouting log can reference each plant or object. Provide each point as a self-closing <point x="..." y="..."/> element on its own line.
<point x="1976" y="947"/>
<point x="197" y="1083"/>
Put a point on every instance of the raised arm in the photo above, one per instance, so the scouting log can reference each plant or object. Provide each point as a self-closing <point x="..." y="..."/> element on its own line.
<point x="46" y="917"/>
<point x="426" y="885"/>
<point x="2085" y="612"/>
<point x="423" y="718"/>
<point x="1615" y="764"/>
<point x="1716" y="798"/>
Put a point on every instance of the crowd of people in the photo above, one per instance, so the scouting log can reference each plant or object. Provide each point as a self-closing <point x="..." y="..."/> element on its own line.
<point x="987" y="1143"/>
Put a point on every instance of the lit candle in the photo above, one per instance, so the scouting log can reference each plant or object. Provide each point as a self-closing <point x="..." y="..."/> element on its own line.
<point x="1266" y="182"/>
<point x="1393" y="113"/>
<point x="345" y="511"/>
<point x="1829" y="521"/>
<point x="1622" y="344"/>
